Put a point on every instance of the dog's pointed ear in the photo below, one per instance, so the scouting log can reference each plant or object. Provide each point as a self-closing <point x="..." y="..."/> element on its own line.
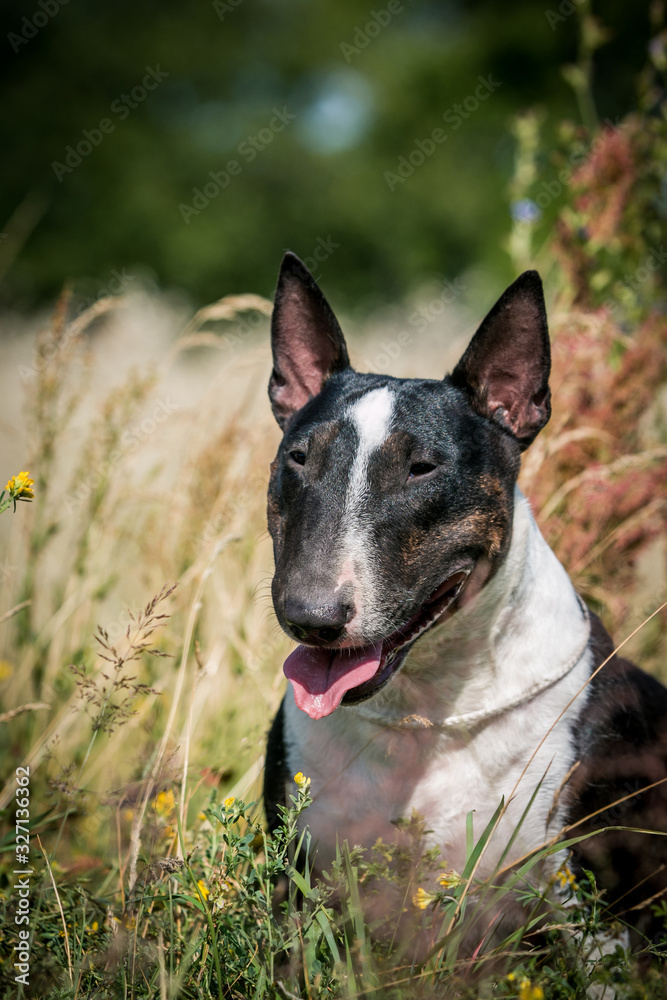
<point x="505" y="369"/>
<point x="306" y="340"/>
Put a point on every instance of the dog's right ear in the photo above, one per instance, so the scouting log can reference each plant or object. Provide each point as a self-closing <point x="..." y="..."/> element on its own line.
<point x="505" y="369"/>
<point x="306" y="340"/>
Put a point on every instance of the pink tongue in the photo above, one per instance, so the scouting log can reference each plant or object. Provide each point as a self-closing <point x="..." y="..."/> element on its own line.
<point x="320" y="677"/>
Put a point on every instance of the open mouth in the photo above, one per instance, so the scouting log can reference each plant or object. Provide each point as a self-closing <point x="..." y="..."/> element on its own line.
<point x="323" y="678"/>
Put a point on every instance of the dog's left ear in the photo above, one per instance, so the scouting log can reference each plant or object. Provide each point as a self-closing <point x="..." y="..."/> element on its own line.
<point x="306" y="340"/>
<point x="505" y="369"/>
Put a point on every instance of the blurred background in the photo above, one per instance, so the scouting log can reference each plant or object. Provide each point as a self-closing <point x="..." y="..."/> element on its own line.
<point x="317" y="104"/>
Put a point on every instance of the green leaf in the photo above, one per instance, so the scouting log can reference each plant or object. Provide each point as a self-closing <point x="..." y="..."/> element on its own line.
<point x="473" y="855"/>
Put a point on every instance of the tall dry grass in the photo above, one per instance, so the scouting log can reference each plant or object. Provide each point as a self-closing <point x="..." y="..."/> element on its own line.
<point x="155" y="492"/>
<point x="142" y="661"/>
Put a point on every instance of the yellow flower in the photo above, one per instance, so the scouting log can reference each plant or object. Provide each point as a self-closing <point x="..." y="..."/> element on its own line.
<point x="229" y="801"/>
<point x="302" y="781"/>
<point x="165" y="803"/>
<point x="202" y="888"/>
<point x="449" y="878"/>
<point x="20" y="487"/>
<point x="421" y="899"/>
<point x="93" y="927"/>
<point x="565" y="876"/>
<point x="529" y="992"/>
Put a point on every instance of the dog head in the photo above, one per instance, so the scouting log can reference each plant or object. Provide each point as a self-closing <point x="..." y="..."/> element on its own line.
<point x="391" y="500"/>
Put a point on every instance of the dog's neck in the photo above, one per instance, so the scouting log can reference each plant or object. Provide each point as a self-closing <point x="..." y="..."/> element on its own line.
<point x="524" y="631"/>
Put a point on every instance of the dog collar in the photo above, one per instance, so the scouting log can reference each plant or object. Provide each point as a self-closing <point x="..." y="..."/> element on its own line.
<point x="468" y="720"/>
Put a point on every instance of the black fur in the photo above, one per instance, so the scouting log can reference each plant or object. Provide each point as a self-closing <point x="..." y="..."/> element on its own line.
<point x="622" y="747"/>
<point x="275" y="771"/>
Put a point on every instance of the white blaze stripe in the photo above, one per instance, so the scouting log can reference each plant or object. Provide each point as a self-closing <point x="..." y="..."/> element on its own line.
<point x="371" y="416"/>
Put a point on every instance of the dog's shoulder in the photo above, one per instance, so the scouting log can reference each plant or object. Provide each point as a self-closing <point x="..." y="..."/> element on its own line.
<point x="619" y="784"/>
<point x="627" y="710"/>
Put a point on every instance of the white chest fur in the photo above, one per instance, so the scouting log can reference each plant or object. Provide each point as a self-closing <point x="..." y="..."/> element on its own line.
<point x="368" y="770"/>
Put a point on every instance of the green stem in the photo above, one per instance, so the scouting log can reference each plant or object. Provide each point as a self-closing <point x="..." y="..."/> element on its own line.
<point x="207" y="909"/>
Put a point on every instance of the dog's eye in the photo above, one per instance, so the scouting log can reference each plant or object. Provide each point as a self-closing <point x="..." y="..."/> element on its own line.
<point x="420" y="469"/>
<point x="299" y="457"/>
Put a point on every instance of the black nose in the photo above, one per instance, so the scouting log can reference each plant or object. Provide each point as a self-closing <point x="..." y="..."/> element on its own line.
<point x="313" y="622"/>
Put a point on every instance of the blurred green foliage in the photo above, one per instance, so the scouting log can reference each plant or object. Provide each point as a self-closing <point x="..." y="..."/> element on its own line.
<point x="367" y="85"/>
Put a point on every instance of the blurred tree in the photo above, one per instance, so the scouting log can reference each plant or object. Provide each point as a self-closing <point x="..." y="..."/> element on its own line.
<point x="193" y="143"/>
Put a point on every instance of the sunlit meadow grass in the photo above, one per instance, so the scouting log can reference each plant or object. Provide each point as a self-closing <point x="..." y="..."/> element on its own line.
<point x="141" y="665"/>
<point x="143" y="729"/>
